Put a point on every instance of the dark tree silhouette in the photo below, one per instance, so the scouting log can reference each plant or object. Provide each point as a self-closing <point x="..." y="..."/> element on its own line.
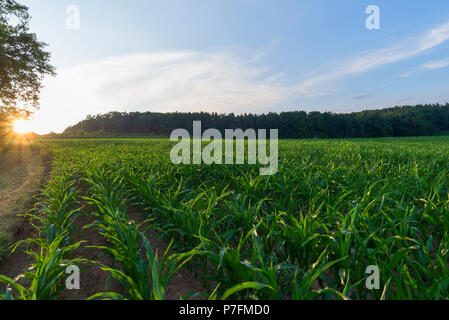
<point x="402" y="121"/>
<point x="23" y="62"/>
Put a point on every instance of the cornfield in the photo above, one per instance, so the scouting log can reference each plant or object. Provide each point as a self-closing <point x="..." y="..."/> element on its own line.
<point x="309" y="232"/>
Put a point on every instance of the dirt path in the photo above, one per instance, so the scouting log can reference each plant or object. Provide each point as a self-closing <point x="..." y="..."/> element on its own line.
<point x="18" y="262"/>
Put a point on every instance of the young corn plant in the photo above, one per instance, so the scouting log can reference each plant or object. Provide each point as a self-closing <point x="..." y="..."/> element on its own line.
<point x="57" y="211"/>
<point x="46" y="275"/>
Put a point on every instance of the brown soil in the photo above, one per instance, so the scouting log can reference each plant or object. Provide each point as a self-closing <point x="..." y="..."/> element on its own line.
<point x="18" y="262"/>
<point x="94" y="280"/>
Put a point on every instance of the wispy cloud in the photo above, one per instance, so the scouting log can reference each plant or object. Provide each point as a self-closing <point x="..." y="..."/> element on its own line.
<point x="404" y="101"/>
<point x="407" y="74"/>
<point x="432" y="65"/>
<point x="367" y="61"/>
<point x="363" y="97"/>
<point x="266" y="50"/>
<point x="167" y="81"/>
<point x="438" y="64"/>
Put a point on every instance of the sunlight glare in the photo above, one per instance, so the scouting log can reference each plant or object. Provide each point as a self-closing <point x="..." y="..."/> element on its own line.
<point x="22" y="126"/>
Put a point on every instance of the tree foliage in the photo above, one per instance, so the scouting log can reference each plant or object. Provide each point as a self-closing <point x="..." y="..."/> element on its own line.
<point x="417" y="120"/>
<point x="23" y="61"/>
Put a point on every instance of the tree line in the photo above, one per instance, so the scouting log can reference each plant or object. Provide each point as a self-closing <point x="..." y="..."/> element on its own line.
<point x="419" y="120"/>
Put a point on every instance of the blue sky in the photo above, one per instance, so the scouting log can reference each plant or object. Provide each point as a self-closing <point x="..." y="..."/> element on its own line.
<point x="239" y="56"/>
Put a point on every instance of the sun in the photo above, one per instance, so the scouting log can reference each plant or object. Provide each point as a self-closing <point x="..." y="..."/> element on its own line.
<point x="22" y="126"/>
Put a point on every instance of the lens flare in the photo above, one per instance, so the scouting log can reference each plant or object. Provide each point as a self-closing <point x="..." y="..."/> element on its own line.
<point x="22" y="126"/>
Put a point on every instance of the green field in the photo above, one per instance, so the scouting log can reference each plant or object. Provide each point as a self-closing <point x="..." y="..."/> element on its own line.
<point x="334" y="208"/>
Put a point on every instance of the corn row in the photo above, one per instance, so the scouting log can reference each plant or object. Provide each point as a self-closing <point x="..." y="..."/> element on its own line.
<point x="142" y="275"/>
<point x="53" y="218"/>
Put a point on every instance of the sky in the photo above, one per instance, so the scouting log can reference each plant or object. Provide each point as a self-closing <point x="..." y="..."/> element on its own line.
<point x="241" y="56"/>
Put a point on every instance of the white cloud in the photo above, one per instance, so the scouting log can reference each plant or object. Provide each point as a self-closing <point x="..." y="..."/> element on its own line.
<point x="170" y="81"/>
<point x="432" y="65"/>
<point x="407" y="74"/>
<point x="436" y="64"/>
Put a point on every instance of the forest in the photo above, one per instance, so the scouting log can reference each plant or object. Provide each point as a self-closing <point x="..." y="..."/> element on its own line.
<point x="400" y="121"/>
